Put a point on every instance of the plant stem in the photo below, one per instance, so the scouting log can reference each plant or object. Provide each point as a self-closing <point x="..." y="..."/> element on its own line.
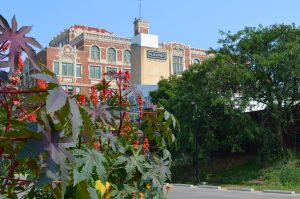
<point x="121" y="122"/>
<point x="11" y="169"/>
<point x="23" y="91"/>
<point x="28" y="115"/>
<point x="8" y="116"/>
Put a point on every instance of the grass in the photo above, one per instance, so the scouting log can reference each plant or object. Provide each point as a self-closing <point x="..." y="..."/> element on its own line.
<point x="283" y="175"/>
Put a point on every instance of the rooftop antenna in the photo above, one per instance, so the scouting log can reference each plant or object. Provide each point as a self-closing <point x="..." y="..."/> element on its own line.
<point x="140" y="10"/>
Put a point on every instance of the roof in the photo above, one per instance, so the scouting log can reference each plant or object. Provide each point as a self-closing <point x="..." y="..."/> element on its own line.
<point x="100" y="30"/>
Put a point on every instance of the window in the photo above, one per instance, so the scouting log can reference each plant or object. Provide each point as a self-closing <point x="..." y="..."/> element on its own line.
<point x="70" y="89"/>
<point x="78" y="89"/>
<point x="196" y="61"/>
<point x="111" y="55"/>
<point x="67" y="69"/>
<point x="95" y="52"/>
<point x="56" y="67"/>
<point x="110" y="69"/>
<point x="78" y="70"/>
<point x="95" y="72"/>
<point x="126" y="57"/>
<point x="177" y="65"/>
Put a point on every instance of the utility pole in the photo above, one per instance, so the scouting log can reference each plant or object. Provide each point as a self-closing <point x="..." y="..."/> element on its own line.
<point x="197" y="136"/>
<point x="140" y="9"/>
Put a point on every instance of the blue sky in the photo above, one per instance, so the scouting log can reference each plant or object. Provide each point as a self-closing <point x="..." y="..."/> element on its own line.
<point x="193" y="22"/>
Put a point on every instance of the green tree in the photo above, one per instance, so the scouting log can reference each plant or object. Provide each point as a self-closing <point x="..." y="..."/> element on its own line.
<point x="271" y="55"/>
<point x="203" y="99"/>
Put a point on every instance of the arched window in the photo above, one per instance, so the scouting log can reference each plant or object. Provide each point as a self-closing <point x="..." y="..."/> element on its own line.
<point x="126" y="57"/>
<point x="111" y="55"/>
<point x="95" y="52"/>
<point x="196" y="61"/>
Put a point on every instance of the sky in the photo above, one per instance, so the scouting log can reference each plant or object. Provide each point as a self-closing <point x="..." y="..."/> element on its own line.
<point x="193" y="22"/>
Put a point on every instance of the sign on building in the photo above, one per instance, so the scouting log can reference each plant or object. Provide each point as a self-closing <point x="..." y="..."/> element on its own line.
<point x="156" y="55"/>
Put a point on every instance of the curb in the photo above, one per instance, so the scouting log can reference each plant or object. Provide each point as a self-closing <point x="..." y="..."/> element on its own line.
<point x="278" y="191"/>
<point x="209" y="187"/>
<point x="183" y="185"/>
<point x="235" y="189"/>
<point x="240" y="189"/>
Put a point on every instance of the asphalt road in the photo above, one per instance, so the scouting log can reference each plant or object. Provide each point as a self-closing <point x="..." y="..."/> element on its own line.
<point x="196" y="193"/>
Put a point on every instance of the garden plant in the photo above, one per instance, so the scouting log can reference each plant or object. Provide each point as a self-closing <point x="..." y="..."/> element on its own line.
<point x="111" y="143"/>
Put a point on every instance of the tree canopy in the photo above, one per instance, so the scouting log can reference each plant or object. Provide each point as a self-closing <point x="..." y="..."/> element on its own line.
<point x="255" y="65"/>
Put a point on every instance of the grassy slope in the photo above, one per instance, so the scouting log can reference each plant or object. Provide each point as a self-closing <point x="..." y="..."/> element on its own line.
<point x="280" y="175"/>
<point x="283" y="175"/>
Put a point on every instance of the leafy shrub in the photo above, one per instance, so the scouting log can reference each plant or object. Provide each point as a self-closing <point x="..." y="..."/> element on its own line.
<point x="95" y="146"/>
<point x="290" y="176"/>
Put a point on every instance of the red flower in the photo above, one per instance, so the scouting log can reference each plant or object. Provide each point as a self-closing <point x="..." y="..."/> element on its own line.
<point x="81" y="99"/>
<point x="146" y="144"/>
<point x="32" y="117"/>
<point x="135" y="144"/>
<point x="140" y="100"/>
<point x="14" y="80"/>
<point x="16" y="102"/>
<point x="168" y="187"/>
<point x="106" y="93"/>
<point x="127" y="76"/>
<point x="140" y="104"/>
<point x="42" y="84"/>
<point x="132" y="194"/>
<point x="20" y="61"/>
<point x="126" y="116"/>
<point x="94" y="95"/>
<point x="96" y="145"/>
<point x="5" y="47"/>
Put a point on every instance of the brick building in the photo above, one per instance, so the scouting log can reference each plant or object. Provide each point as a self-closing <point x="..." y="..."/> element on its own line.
<point x="80" y="56"/>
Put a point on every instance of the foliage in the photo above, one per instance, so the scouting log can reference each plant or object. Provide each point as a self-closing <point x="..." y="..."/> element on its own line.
<point x="203" y="99"/>
<point x="281" y="174"/>
<point x="271" y="57"/>
<point x="92" y="146"/>
<point x="253" y="66"/>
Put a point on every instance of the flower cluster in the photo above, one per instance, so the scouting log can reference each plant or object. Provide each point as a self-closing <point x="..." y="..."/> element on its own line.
<point x="146" y="144"/>
<point x="14" y="80"/>
<point x="42" y="84"/>
<point x="94" y="95"/>
<point x="81" y="99"/>
<point x="135" y="144"/>
<point x="30" y="117"/>
<point x="140" y="105"/>
<point x="20" y="61"/>
<point x="4" y="47"/>
<point x="106" y="93"/>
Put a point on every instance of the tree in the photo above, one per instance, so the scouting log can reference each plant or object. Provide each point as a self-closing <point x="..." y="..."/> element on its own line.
<point x="271" y="55"/>
<point x="216" y="120"/>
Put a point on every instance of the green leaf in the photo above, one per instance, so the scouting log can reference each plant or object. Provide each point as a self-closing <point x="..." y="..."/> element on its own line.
<point x="56" y="99"/>
<point x="120" y="160"/>
<point x="87" y="125"/>
<point x="82" y="190"/>
<point x="75" y="118"/>
<point x="24" y="134"/>
<point x="89" y="160"/>
<point x="45" y="77"/>
<point x="93" y="193"/>
<point x="78" y="177"/>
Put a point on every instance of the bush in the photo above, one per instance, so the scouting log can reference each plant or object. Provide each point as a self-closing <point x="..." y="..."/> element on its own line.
<point x="290" y="176"/>
<point x="93" y="146"/>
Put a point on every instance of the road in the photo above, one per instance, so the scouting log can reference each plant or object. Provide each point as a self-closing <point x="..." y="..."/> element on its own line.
<point x="196" y="193"/>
